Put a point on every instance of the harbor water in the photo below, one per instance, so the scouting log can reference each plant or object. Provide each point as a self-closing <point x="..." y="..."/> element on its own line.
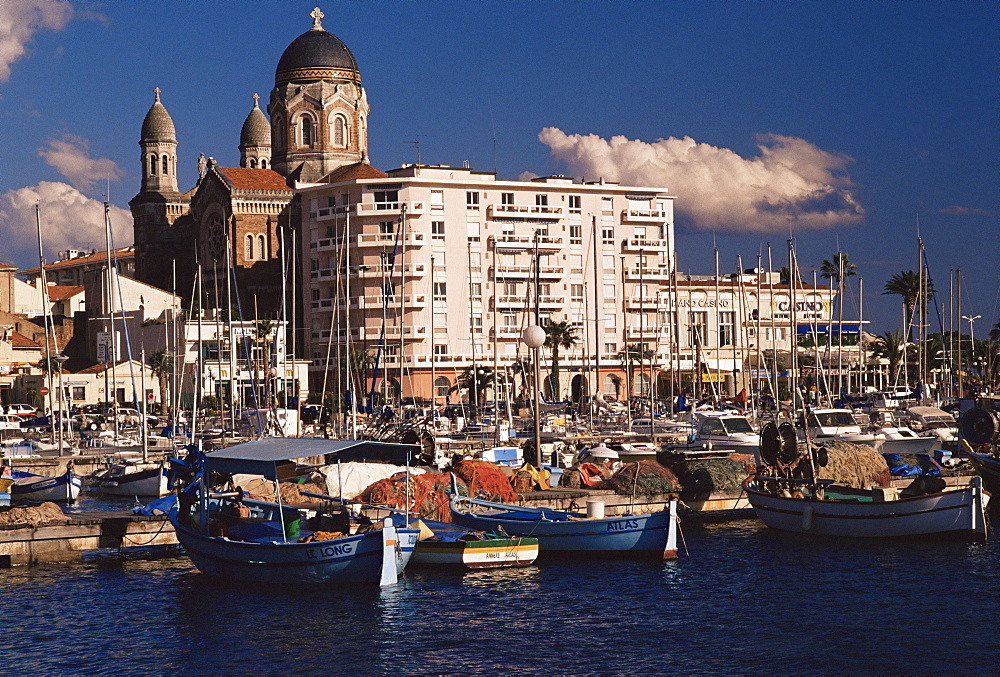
<point x="744" y="599"/>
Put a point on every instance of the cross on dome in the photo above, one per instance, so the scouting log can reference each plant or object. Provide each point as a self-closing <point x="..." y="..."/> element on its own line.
<point x="316" y="15"/>
<point x="157" y="93"/>
<point x="256" y="98"/>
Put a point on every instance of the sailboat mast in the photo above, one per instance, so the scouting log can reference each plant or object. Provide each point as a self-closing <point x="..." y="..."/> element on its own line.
<point x="43" y="289"/>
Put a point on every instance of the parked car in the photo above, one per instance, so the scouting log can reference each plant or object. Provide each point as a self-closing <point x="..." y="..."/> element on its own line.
<point x="21" y="409"/>
<point x="129" y="416"/>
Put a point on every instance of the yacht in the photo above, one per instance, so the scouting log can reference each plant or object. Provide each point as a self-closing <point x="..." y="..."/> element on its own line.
<point x="839" y="424"/>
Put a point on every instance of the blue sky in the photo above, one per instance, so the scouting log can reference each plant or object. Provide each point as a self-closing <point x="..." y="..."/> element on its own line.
<point x="846" y="124"/>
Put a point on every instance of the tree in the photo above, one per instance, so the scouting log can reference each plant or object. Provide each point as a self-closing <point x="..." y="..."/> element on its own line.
<point x="630" y="356"/>
<point x="476" y="382"/>
<point x="906" y="284"/>
<point x="161" y="363"/>
<point x="831" y="269"/>
<point x="558" y="335"/>
<point x="890" y="346"/>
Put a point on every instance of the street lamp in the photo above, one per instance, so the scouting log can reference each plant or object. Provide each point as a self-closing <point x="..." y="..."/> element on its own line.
<point x="60" y="359"/>
<point x="533" y="337"/>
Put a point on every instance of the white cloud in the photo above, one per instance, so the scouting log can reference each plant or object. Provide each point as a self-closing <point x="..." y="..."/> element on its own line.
<point x="791" y="181"/>
<point x="20" y="20"/>
<point x="69" y="156"/>
<point x="69" y="220"/>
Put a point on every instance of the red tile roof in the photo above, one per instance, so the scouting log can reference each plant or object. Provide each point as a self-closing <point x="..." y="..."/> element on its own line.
<point x="359" y="170"/>
<point x="243" y="178"/>
<point x="63" y="292"/>
<point x="119" y="253"/>
<point x="7" y="266"/>
<point x="100" y="367"/>
<point x="21" y="341"/>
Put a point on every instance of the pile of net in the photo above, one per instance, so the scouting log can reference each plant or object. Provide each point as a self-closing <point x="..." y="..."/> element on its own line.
<point x="653" y="480"/>
<point x="858" y="466"/>
<point x="704" y="477"/>
<point x="34" y="515"/>
<point x="291" y="492"/>
<point x="429" y="494"/>
<point x="485" y="480"/>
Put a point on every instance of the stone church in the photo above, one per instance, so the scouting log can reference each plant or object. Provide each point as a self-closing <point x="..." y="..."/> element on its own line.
<point x="238" y="218"/>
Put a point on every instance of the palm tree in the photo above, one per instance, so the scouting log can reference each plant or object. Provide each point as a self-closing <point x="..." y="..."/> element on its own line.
<point x="831" y="269"/>
<point x="890" y="346"/>
<point x="483" y="378"/>
<point x="558" y="335"/>
<point x="905" y="284"/>
<point x="161" y="363"/>
<point x="630" y="356"/>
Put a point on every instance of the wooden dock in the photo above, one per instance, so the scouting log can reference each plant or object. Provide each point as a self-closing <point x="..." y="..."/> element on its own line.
<point x="67" y="540"/>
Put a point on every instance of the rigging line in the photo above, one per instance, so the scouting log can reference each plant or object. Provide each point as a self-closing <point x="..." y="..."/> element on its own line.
<point x="121" y="303"/>
<point x="245" y="341"/>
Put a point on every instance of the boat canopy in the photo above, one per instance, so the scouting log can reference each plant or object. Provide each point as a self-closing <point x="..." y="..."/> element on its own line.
<point x="263" y="456"/>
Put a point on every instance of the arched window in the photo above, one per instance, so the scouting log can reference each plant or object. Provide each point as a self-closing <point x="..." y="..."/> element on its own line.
<point x="307" y="131"/>
<point x="263" y="163"/>
<point x="441" y="387"/>
<point x="338" y="131"/>
<point x="611" y="383"/>
<point x="261" y="248"/>
<point x="152" y="164"/>
<point x="253" y="163"/>
<point x="248" y="248"/>
<point x="165" y="165"/>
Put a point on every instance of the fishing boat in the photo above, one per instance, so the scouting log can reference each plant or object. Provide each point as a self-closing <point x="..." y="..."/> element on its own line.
<point x="650" y="534"/>
<point x="6" y="480"/>
<point x="787" y="495"/>
<point x="131" y="478"/>
<point x="232" y="537"/>
<point x="63" y="488"/>
<point x="449" y="545"/>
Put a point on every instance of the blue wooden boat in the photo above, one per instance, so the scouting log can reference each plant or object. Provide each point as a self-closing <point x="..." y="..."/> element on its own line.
<point x="234" y="538"/>
<point x="651" y="534"/>
<point x="63" y="488"/>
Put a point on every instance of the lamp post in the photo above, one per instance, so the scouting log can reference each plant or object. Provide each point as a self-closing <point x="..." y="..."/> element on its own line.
<point x="972" y="336"/>
<point x="60" y="359"/>
<point x="533" y="337"/>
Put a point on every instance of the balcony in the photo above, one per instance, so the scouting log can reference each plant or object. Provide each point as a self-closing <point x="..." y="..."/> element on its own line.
<point x="414" y="301"/>
<point x="387" y="239"/>
<point x="526" y="272"/>
<point x="645" y="216"/>
<point x="377" y="271"/>
<point x="646" y="332"/>
<point x="522" y="243"/>
<point x="410" y="333"/>
<point x="644" y="303"/>
<point x="328" y="213"/>
<point x="385" y="208"/>
<point x="527" y="211"/>
<point x="645" y="273"/>
<point x="523" y="302"/>
<point x="639" y="244"/>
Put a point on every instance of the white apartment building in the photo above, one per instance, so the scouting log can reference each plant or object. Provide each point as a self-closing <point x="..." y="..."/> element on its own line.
<point x="435" y="268"/>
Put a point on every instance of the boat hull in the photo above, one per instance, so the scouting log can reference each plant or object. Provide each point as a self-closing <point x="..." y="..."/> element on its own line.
<point x="652" y="534"/>
<point x="353" y="559"/>
<point x="491" y="553"/>
<point x="59" y="489"/>
<point x="951" y="511"/>
<point x="988" y="468"/>
<point x="151" y="482"/>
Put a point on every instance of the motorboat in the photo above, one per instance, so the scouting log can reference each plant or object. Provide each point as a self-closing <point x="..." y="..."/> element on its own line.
<point x="839" y="424"/>
<point x="722" y="430"/>
<point x="131" y="478"/>
<point x="902" y="440"/>
<point x="235" y="538"/>
<point x="934" y="421"/>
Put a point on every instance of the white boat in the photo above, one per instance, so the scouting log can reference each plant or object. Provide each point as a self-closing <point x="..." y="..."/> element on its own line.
<point x="449" y="545"/>
<point x="905" y="441"/>
<point x="837" y="424"/>
<point x="721" y="430"/>
<point x="830" y="510"/>
<point x="131" y="479"/>
<point x="934" y="421"/>
<point x="787" y="495"/>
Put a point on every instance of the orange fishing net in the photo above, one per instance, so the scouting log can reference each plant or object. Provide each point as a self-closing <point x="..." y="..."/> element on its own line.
<point x="485" y="480"/>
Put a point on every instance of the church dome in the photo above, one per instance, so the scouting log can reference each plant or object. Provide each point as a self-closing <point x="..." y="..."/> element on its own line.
<point x="158" y="125"/>
<point x="256" y="130"/>
<point x="316" y="55"/>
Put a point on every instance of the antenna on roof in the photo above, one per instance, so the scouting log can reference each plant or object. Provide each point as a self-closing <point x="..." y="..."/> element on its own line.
<point x="416" y="144"/>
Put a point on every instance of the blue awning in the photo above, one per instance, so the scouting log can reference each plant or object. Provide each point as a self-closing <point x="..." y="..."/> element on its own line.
<point x="823" y="330"/>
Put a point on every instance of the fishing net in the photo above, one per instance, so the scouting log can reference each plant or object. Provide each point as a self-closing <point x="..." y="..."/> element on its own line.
<point x="33" y="515"/>
<point x="653" y="480"/>
<point x="858" y="466"/>
<point x="706" y="476"/>
<point x="485" y="480"/>
<point x="429" y="494"/>
<point x="291" y="492"/>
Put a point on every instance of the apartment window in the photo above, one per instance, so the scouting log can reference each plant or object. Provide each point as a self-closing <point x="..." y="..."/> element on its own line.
<point x="545" y="289"/>
<point x="441" y="349"/>
<point x="437" y="230"/>
<point x="386" y="199"/>
<point x="541" y="200"/>
<point x="473" y="230"/>
<point x="475" y="262"/>
<point x="442" y="386"/>
<point x="386" y="228"/>
<point x="437" y="199"/>
<point x="510" y="321"/>
<point x="476" y="290"/>
<point x="345" y="199"/>
<point x="576" y="234"/>
<point x="477" y="324"/>
<point x="607" y="205"/>
<point x="331" y="201"/>
<point x="574" y="204"/>
<point x="609" y="263"/>
<point x="640" y="233"/>
<point x="608" y="235"/>
<point x="510" y="288"/>
<point x="506" y="198"/>
<point x="508" y="259"/>
<point x="576" y="263"/>
<point x="610" y="348"/>
<point x="610" y="291"/>
<point x="440" y="323"/>
<point x="507" y="229"/>
<point x="727" y="325"/>
<point x="576" y="292"/>
<point x="79" y="393"/>
<point x="472" y="200"/>
<point x="668" y="322"/>
<point x="314" y="264"/>
<point x="440" y="291"/>
<point x="315" y="294"/>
